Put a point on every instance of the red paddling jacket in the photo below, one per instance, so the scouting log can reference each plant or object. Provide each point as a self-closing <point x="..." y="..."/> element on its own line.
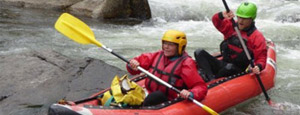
<point x="180" y="73"/>
<point x="232" y="50"/>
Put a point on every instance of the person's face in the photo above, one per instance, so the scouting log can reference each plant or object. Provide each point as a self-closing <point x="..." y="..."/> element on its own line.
<point x="169" y="48"/>
<point x="244" y="22"/>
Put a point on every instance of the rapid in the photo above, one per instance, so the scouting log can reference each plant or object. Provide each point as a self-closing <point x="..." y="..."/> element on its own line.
<point x="279" y="20"/>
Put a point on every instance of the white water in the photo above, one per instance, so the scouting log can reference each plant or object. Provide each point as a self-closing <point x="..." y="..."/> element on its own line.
<point x="32" y="29"/>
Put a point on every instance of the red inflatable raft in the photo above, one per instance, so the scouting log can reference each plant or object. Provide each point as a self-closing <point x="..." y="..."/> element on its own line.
<point x="223" y="93"/>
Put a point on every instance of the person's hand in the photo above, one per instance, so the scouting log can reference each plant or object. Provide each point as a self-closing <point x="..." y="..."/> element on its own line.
<point x="228" y="15"/>
<point x="217" y="54"/>
<point x="184" y="94"/>
<point x="256" y="70"/>
<point x="134" y="64"/>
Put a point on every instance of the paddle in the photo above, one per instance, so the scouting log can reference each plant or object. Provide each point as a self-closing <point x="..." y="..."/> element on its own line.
<point x="248" y="55"/>
<point x="78" y="31"/>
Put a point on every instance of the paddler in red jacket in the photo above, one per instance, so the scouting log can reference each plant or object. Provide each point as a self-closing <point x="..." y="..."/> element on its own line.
<point x="173" y="65"/>
<point x="234" y="58"/>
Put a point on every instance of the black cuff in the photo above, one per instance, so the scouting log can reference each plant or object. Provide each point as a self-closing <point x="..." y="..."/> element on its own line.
<point x="221" y="15"/>
<point x="259" y="66"/>
<point x="129" y="66"/>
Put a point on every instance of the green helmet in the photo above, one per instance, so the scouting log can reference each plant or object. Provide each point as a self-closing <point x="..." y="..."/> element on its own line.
<point x="247" y="10"/>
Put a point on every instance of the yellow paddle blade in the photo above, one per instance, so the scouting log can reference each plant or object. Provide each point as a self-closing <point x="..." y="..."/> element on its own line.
<point x="75" y="29"/>
<point x="209" y="110"/>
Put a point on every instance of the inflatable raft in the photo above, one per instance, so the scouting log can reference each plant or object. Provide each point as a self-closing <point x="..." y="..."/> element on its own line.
<point x="223" y="93"/>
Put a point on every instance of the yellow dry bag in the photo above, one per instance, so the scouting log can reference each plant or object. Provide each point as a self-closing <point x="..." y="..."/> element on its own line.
<point x="123" y="91"/>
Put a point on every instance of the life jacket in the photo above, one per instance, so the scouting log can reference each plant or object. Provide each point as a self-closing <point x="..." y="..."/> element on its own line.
<point x="232" y="50"/>
<point x="169" y="73"/>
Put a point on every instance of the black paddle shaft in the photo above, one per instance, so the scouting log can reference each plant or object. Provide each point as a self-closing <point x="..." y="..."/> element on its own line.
<point x="246" y="50"/>
<point x="228" y="10"/>
<point x="115" y="54"/>
<point x="120" y="57"/>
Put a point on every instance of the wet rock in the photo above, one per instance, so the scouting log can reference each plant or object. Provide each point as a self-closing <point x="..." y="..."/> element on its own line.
<point x="32" y="81"/>
<point x="87" y="8"/>
<point x="113" y="9"/>
<point x="5" y="13"/>
<point x="102" y="9"/>
<point x="140" y="9"/>
<point x="125" y="8"/>
<point x="44" y="4"/>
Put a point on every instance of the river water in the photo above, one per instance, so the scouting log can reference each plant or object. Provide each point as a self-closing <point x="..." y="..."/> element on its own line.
<point x="22" y="30"/>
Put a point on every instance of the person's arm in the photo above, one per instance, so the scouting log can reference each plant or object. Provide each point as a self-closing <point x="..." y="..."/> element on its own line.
<point x="259" y="48"/>
<point x="223" y="23"/>
<point x="193" y="80"/>
<point x="144" y="60"/>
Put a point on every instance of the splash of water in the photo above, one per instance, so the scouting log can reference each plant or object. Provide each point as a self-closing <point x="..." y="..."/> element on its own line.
<point x="286" y="108"/>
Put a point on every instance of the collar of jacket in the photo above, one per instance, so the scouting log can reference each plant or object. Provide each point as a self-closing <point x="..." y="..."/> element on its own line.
<point x="250" y="29"/>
